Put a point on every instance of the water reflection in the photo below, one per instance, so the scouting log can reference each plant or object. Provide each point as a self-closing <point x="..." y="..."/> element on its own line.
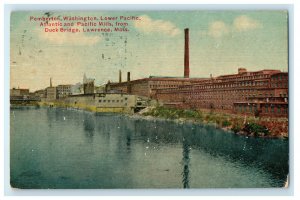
<point x="128" y="141"/>
<point x="257" y="152"/>
<point x="185" y="163"/>
<point x="89" y="127"/>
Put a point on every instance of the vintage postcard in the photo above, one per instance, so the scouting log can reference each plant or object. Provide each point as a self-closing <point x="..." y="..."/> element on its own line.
<point x="149" y="99"/>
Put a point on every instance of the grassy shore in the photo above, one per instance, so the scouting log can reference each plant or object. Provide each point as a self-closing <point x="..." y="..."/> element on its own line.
<point x="243" y="125"/>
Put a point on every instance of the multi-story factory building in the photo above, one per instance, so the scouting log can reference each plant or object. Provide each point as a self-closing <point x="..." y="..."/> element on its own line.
<point x="262" y="92"/>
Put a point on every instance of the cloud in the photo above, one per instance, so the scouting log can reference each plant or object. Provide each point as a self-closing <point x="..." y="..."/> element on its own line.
<point x="149" y="25"/>
<point x="218" y="29"/>
<point x="244" y="23"/>
<point x="241" y="23"/>
<point x="60" y="38"/>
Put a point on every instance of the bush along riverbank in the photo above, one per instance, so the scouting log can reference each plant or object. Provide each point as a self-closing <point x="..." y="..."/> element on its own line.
<point x="241" y="125"/>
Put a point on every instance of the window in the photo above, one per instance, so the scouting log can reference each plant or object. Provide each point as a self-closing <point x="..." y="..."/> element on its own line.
<point x="272" y="109"/>
<point x="108" y="101"/>
<point x="100" y="101"/>
<point x="285" y="110"/>
<point x="278" y="110"/>
<point x="266" y="108"/>
<point x="245" y="108"/>
<point x="255" y="108"/>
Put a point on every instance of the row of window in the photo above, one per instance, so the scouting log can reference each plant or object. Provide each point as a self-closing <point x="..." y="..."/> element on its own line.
<point x="228" y="96"/>
<point x="279" y="84"/>
<point x="112" y="101"/>
<point x="219" y="94"/>
<point x="260" y="83"/>
<point x="163" y="86"/>
<point x="280" y="77"/>
<point x="279" y="109"/>
<point x="246" y="77"/>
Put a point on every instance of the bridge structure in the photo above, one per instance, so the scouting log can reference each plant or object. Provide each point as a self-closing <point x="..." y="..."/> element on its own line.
<point x="24" y="99"/>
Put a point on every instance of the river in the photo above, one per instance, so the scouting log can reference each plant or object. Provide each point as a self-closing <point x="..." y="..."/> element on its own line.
<point x="61" y="148"/>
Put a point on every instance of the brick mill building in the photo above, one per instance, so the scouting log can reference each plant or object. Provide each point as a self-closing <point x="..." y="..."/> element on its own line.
<point x="263" y="92"/>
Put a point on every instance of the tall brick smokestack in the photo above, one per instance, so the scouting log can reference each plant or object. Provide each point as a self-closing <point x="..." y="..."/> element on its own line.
<point x="120" y="76"/>
<point x="128" y="76"/>
<point x="186" y="54"/>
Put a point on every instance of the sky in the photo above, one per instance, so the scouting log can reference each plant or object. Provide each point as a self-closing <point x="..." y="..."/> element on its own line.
<point x="220" y="43"/>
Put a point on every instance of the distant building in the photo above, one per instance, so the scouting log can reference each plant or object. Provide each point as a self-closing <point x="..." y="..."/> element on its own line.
<point x="88" y="88"/>
<point x="51" y="93"/>
<point x="63" y="90"/>
<point x="19" y="95"/>
<point x="99" y="89"/>
<point x="88" y="85"/>
<point x="19" y="92"/>
<point x="40" y="93"/>
<point x="77" y="89"/>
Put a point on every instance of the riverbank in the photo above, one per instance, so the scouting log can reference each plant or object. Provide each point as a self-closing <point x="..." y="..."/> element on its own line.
<point x="241" y="125"/>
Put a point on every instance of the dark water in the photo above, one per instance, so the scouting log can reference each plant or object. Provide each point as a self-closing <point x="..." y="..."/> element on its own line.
<point x="59" y="148"/>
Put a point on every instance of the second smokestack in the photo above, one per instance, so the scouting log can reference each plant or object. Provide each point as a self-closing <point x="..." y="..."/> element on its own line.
<point x="186" y="54"/>
<point x="120" y="76"/>
<point x="128" y="76"/>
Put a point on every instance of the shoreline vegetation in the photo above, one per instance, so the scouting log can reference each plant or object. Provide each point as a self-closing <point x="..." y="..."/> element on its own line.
<point x="251" y="126"/>
<point x="241" y="125"/>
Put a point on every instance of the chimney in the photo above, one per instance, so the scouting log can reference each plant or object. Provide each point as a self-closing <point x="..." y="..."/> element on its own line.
<point x="186" y="54"/>
<point x="128" y="83"/>
<point x="50" y="82"/>
<point x="128" y="76"/>
<point x="120" y="76"/>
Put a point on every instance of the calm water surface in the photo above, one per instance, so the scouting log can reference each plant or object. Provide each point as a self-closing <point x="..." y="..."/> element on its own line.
<point x="60" y="148"/>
